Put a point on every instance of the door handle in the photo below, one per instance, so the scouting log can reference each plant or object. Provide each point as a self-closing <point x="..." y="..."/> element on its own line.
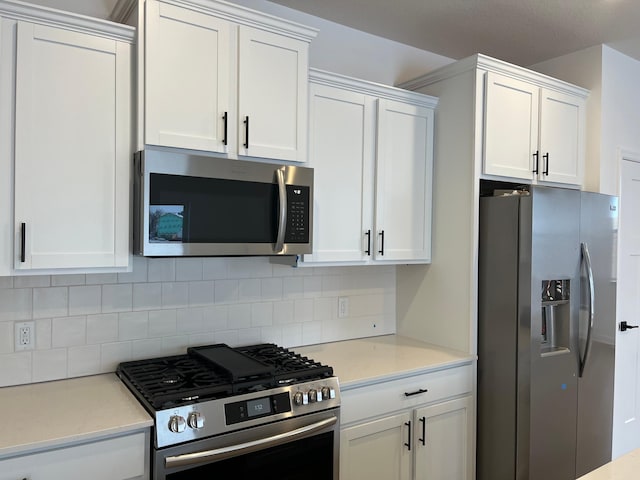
<point x="624" y="326"/>
<point x="423" y="420"/>
<point x="246" y="132"/>
<point x="535" y="156"/>
<point x="368" y="250"/>
<point x="408" y="444"/>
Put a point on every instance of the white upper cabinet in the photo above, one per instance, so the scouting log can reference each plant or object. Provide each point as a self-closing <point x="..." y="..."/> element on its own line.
<point x="371" y="148"/>
<point x="562" y="137"/>
<point x="510" y="126"/>
<point x="341" y="150"/>
<point x="187" y="70"/>
<point x="70" y="129"/>
<point x="404" y="164"/>
<point x="532" y="132"/>
<point x="222" y="78"/>
<point x="273" y="75"/>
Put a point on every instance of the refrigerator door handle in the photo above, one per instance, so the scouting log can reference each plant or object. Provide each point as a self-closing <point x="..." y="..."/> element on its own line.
<point x="587" y="261"/>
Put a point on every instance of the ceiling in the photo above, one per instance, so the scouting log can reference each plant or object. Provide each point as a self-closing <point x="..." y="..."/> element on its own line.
<point x="523" y="32"/>
<point x="518" y="31"/>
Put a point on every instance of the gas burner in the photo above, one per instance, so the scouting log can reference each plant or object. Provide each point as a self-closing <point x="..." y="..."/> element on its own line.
<point x="217" y="371"/>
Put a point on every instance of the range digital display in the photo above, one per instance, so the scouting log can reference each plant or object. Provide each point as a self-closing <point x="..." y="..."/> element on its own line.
<point x="246" y="410"/>
<point x="258" y="407"/>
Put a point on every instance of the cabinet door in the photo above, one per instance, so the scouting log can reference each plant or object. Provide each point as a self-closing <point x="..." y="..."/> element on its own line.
<point x="121" y="458"/>
<point x="376" y="450"/>
<point x="72" y="149"/>
<point x="186" y="78"/>
<point x="341" y="149"/>
<point x="562" y="119"/>
<point x="272" y="95"/>
<point x="443" y="441"/>
<point x="404" y="161"/>
<point x="510" y="127"/>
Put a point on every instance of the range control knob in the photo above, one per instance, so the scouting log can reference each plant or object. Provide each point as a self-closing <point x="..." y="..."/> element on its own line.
<point x="328" y="393"/>
<point x="313" y="395"/>
<point x="297" y="398"/>
<point x="177" y="424"/>
<point x="195" y="420"/>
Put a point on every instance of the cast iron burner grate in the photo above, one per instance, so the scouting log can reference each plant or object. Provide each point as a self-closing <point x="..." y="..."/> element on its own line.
<point x="290" y="367"/>
<point x="177" y="380"/>
<point x="216" y="371"/>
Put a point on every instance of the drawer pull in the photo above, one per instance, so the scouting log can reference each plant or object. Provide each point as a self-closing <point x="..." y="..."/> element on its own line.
<point x="417" y="392"/>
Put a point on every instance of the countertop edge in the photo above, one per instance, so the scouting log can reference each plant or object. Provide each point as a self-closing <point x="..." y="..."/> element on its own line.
<point x="73" y="440"/>
<point x="344" y="387"/>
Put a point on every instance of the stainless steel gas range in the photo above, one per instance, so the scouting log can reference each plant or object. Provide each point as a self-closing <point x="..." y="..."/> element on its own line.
<point x="258" y="410"/>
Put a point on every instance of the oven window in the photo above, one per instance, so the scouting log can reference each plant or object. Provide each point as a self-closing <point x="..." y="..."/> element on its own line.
<point x="310" y="458"/>
<point x="209" y="210"/>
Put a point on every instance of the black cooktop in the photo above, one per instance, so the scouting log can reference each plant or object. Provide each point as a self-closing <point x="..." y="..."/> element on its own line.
<point x="216" y="371"/>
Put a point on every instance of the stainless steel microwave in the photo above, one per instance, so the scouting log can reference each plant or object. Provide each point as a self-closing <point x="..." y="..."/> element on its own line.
<point x="193" y="205"/>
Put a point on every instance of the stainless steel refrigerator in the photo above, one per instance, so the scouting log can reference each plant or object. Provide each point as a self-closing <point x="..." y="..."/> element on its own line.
<point x="546" y="330"/>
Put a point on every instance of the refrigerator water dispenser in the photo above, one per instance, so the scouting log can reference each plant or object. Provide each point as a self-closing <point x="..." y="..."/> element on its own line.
<point x="555" y="317"/>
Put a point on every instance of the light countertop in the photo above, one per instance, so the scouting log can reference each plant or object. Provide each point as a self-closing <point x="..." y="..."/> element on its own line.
<point x="370" y="360"/>
<point x="625" y="467"/>
<point x="53" y="414"/>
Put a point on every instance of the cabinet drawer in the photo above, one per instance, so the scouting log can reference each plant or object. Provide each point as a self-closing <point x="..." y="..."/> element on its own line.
<point x="383" y="398"/>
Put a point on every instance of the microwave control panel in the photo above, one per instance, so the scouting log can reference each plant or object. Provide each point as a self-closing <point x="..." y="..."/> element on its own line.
<point x="297" y="229"/>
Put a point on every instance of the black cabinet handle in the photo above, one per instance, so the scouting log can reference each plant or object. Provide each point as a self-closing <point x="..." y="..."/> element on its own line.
<point x="225" y="119"/>
<point x="246" y="132"/>
<point x="535" y="156"/>
<point x="423" y="420"/>
<point x="408" y="444"/>
<point x="381" y="251"/>
<point x="546" y="164"/>
<point x="417" y="392"/>
<point x="23" y="238"/>
<point x="368" y="250"/>
<point x="624" y="326"/>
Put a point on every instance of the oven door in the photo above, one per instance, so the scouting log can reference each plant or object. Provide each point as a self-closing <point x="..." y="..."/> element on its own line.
<point x="282" y="450"/>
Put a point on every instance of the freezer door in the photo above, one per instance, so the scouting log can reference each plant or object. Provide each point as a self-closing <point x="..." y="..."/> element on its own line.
<point x="598" y="226"/>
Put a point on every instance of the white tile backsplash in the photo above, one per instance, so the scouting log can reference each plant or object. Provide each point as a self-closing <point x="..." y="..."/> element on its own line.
<point x="117" y="298"/>
<point x="88" y="324"/>
<point x="68" y="331"/>
<point x="83" y="360"/>
<point x="85" y="300"/>
<point x="50" y="302"/>
<point x="16" y="304"/>
<point x="6" y="337"/>
<point x="188" y="269"/>
<point x="175" y="294"/>
<point x="49" y="364"/>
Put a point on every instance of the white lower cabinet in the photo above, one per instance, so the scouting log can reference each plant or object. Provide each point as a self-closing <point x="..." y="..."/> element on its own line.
<point x="376" y="450"/>
<point x="120" y="458"/>
<point x="425" y="435"/>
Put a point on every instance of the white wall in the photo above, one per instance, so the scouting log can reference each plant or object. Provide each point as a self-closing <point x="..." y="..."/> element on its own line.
<point x="355" y="53"/>
<point x="620" y="114"/>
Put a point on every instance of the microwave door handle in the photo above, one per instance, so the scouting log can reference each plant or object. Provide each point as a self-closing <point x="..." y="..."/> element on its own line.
<point x="282" y="220"/>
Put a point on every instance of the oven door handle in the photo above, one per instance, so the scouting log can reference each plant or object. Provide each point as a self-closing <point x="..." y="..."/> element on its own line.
<point x="189" y="459"/>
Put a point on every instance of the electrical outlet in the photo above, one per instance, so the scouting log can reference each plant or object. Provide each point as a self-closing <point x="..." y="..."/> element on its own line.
<point x="343" y="307"/>
<point x="25" y="335"/>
